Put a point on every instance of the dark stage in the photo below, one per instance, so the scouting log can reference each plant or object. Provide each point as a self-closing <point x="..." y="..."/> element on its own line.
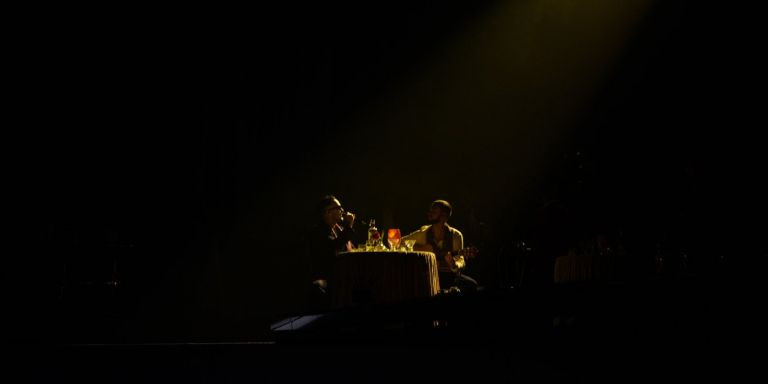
<point x="165" y="165"/>
<point x="683" y="328"/>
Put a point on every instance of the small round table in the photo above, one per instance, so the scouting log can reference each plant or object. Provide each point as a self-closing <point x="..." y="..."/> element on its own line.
<point x="384" y="277"/>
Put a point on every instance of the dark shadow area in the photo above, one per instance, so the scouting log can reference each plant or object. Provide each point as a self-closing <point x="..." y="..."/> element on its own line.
<point x="166" y="163"/>
<point x="689" y="328"/>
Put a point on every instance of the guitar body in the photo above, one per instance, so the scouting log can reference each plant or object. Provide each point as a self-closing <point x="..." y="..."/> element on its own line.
<point x="456" y="261"/>
<point x="452" y="261"/>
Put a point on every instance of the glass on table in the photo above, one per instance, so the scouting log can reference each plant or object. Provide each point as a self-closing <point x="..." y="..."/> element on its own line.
<point x="394" y="244"/>
<point x="393" y="238"/>
<point x="409" y="243"/>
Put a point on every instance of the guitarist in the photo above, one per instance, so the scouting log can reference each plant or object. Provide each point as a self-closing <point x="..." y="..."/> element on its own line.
<point x="447" y="243"/>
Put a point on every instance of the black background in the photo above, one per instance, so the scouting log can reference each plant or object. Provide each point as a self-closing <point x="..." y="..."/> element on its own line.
<point x="181" y="151"/>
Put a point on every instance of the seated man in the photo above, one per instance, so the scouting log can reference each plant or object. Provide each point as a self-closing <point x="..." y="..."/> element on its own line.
<point x="447" y="243"/>
<point x="332" y="233"/>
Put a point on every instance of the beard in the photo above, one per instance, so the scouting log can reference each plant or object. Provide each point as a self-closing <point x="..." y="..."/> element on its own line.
<point x="433" y="221"/>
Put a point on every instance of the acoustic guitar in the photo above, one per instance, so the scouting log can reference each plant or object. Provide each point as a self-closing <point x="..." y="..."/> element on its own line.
<point x="460" y="258"/>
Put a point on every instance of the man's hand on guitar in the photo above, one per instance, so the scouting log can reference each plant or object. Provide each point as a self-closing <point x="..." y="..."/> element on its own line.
<point x="455" y="262"/>
<point x="458" y="261"/>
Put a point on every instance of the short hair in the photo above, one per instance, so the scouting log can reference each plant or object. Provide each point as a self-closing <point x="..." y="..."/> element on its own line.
<point x="324" y="203"/>
<point x="444" y="206"/>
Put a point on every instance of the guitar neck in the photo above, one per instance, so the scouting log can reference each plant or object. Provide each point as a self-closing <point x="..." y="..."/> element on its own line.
<point x="467" y="252"/>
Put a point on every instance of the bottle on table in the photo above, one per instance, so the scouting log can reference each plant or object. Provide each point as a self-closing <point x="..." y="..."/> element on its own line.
<point x="374" y="237"/>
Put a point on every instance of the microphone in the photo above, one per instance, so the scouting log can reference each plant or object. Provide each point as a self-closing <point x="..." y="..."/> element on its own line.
<point x="343" y="217"/>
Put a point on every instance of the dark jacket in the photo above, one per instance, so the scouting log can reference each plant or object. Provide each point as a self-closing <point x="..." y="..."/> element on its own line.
<point x="323" y="243"/>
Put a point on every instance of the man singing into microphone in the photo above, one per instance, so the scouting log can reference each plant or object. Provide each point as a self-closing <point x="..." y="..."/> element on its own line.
<point x="333" y="233"/>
